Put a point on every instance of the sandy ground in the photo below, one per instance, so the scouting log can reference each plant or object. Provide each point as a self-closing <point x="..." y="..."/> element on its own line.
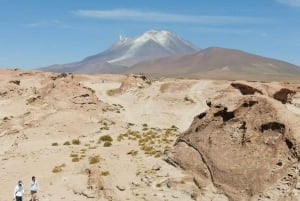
<point x="43" y="112"/>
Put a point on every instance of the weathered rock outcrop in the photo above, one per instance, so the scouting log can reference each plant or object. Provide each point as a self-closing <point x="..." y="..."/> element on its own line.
<point x="246" y="89"/>
<point x="249" y="153"/>
<point x="132" y="81"/>
<point x="284" y="95"/>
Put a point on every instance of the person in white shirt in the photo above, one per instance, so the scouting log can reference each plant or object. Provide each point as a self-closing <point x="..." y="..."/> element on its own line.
<point x="18" y="192"/>
<point x="34" y="187"/>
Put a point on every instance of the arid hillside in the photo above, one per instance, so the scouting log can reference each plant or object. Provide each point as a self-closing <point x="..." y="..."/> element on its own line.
<point x="222" y="64"/>
<point x="118" y="137"/>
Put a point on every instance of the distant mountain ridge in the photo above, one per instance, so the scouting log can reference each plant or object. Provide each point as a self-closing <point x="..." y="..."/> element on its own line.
<point x="219" y="63"/>
<point x="162" y="53"/>
<point x="129" y="51"/>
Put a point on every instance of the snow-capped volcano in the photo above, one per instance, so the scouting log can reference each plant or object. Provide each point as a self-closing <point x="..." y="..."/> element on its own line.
<point x="126" y="52"/>
<point x="150" y="45"/>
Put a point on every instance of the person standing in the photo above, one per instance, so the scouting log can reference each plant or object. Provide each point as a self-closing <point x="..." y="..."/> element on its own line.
<point x="18" y="192"/>
<point x="34" y="187"/>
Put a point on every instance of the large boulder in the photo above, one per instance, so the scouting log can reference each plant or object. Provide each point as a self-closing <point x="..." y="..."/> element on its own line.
<point x="249" y="153"/>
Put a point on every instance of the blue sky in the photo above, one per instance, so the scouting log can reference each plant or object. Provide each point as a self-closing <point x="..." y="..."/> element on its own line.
<point x="37" y="33"/>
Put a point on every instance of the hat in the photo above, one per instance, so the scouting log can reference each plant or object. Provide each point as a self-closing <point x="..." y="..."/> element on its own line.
<point x="20" y="182"/>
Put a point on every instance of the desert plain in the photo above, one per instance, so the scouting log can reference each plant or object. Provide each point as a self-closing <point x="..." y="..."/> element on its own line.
<point x="128" y="137"/>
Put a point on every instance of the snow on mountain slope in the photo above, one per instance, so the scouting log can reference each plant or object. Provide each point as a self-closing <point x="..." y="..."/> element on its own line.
<point x="126" y="52"/>
<point x="166" y="43"/>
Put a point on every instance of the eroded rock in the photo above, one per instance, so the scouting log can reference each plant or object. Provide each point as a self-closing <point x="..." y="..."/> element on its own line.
<point x="284" y="95"/>
<point x="245" y="152"/>
<point x="16" y="82"/>
<point x="246" y="89"/>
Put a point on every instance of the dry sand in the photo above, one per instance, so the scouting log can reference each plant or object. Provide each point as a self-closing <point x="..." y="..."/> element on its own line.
<point x="44" y="109"/>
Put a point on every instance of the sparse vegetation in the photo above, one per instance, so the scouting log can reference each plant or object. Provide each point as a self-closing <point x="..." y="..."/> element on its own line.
<point x="111" y="92"/>
<point x="105" y="173"/>
<point x="132" y="152"/>
<point x="75" y="159"/>
<point x="5" y="118"/>
<point x="106" y="123"/>
<point x="54" y="144"/>
<point x="94" y="159"/>
<point x="114" y="108"/>
<point x="107" y="144"/>
<point x="31" y="100"/>
<point x="74" y="155"/>
<point x="67" y="143"/>
<point x="152" y="141"/>
<point x="59" y="168"/>
<point x="76" y="142"/>
<point x="105" y="138"/>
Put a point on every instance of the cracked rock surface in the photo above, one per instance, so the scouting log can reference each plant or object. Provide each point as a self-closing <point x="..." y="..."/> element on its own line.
<point x="249" y="153"/>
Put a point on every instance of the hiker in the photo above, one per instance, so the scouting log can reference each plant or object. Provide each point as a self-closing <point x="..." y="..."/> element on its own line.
<point x="34" y="187"/>
<point x="18" y="192"/>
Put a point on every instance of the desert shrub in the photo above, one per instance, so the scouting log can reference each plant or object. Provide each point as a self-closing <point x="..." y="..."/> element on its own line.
<point x="75" y="159"/>
<point x="67" y="143"/>
<point x="76" y="141"/>
<point x="104" y="128"/>
<point x="120" y="138"/>
<point x="132" y="152"/>
<point x="94" y="159"/>
<point x="111" y="92"/>
<point x="105" y="173"/>
<point x="107" y="144"/>
<point x="59" y="168"/>
<point x="174" y="127"/>
<point x="130" y="124"/>
<point x="54" y="144"/>
<point x="30" y="100"/>
<point x="74" y="155"/>
<point x="105" y="138"/>
<point x="5" y="118"/>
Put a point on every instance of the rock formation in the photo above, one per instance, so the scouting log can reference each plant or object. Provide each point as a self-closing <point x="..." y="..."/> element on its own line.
<point x="249" y="153"/>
